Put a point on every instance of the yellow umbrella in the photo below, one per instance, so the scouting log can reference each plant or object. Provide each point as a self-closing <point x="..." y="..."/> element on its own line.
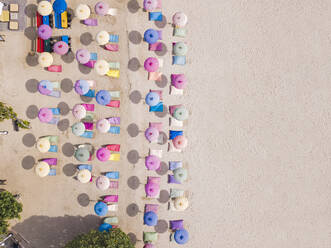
<point x="42" y="169"/>
<point x="45" y="8"/>
<point x="82" y="11"/>
<point x="181" y="203"/>
<point x="101" y="67"/>
<point x="84" y="176"/>
<point x="45" y="59"/>
<point x="43" y="145"/>
<point x="102" y="38"/>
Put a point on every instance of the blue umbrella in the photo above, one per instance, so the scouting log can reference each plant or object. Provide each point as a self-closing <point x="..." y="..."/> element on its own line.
<point x="103" y="97"/>
<point x="151" y="36"/>
<point x="150" y="218"/>
<point x="82" y="87"/>
<point x="181" y="236"/>
<point x="59" y="6"/>
<point x="101" y="208"/>
<point x="105" y="227"/>
<point x="152" y="99"/>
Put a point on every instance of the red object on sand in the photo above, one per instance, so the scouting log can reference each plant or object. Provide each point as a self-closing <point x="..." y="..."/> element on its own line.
<point x="55" y="68"/>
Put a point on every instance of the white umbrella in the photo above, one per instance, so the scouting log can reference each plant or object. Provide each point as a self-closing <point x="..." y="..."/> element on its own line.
<point x="102" y="37"/>
<point x="45" y="8"/>
<point x="42" y="169"/>
<point x="103" y="183"/>
<point x="101" y="67"/>
<point x="43" y="145"/>
<point x="84" y="176"/>
<point x="82" y="11"/>
<point x="181" y="203"/>
<point x="103" y="125"/>
<point x="179" y="19"/>
<point x="45" y="59"/>
<point x="79" y="111"/>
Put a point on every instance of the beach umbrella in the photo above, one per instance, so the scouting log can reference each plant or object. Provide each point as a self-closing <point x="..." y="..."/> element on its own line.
<point x="180" y="81"/>
<point x="151" y="64"/>
<point x="180" y="49"/>
<point x="82" y="11"/>
<point x="82" y="87"/>
<point x="152" y="134"/>
<point x="101" y="8"/>
<point x="152" y="99"/>
<point x="42" y="169"/>
<point x="44" y="32"/>
<point x="79" y="111"/>
<point x="180" y="114"/>
<point x="82" y="154"/>
<point x="44" y="8"/>
<point x="105" y="227"/>
<point x="180" y="142"/>
<point x="152" y="189"/>
<point x="103" y="97"/>
<point x="103" y="183"/>
<point x="101" y="67"/>
<point x="101" y="208"/>
<point x="103" y="125"/>
<point x="45" y="59"/>
<point x="151" y="36"/>
<point x="84" y="176"/>
<point x="181" y="236"/>
<point x="45" y="115"/>
<point x="59" y="6"/>
<point x="83" y="56"/>
<point x="61" y="47"/>
<point x="181" y="203"/>
<point x="78" y="129"/>
<point x="103" y="154"/>
<point x="45" y="87"/>
<point x="152" y="162"/>
<point x="150" y="218"/>
<point x="43" y="145"/>
<point x="179" y="19"/>
<point x="150" y="5"/>
<point x="102" y="37"/>
<point x="180" y="174"/>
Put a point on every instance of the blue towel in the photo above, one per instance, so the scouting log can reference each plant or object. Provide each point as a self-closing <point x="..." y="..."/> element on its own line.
<point x="114" y="38"/>
<point x="114" y="130"/>
<point x="46" y="20"/>
<point x="157" y="108"/>
<point x="65" y="38"/>
<point x="113" y="175"/>
<point x="173" y="134"/>
<point x="57" y="20"/>
<point x="52" y="172"/>
<point x="155" y="16"/>
<point x="90" y="93"/>
<point x="93" y="56"/>
<point x="55" y="111"/>
<point x="173" y="165"/>
<point x="53" y="148"/>
<point x="85" y="167"/>
<point x="178" y="60"/>
<point x="87" y="134"/>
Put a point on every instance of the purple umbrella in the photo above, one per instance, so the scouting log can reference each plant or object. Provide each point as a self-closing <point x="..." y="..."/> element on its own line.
<point x="152" y="134"/>
<point x="82" y="87"/>
<point x="61" y="47"/>
<point x="101" y="8"/>
<point x="103" y="154"/>
<point x="151" y="64"/>
<point x="45" y="87"/>
<point x="152" y="162"/>
<point x="150" y="5"/>
<point x="44" y="32"/>
<point x="152" y="189"/>
<point x="83" y="56"/>
<point x="45" y="115"/>
<point x="179" y="81"/>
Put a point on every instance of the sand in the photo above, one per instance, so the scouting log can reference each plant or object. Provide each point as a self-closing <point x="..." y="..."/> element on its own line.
<point x="258" y="153"/>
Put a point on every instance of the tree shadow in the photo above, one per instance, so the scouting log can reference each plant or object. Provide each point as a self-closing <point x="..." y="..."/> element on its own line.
<point x="133" y="6"/>
<point x="66" y="85"/>
<point x="134" y="64"/>
<point x="135" y="37"/>
<point x="32" y="85"/>
<point x="28" y="162"/>
<point x="29" y="140"/>
<point x="86" y="38"/>
<point x="133" y="130"/>
<point x="44" y="231"/>
<point x="32" y="112"/>
<point x="135" y="97"/>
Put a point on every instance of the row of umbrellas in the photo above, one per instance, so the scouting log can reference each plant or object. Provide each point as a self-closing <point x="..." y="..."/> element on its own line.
<point x="83" y="154"/>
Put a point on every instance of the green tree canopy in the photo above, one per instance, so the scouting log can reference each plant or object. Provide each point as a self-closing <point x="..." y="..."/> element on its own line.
<point x="7" y="113"/>
<point x="10" y="208"/>
<point x="115" y="238"/>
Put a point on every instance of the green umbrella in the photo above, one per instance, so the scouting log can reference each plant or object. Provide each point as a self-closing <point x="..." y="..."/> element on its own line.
<point x="180" y="114"/>
<point x="82" y="154"/>
<point x="180" y="174"/>
<point x="78" y="129"/>
<point x="180" y="49"/>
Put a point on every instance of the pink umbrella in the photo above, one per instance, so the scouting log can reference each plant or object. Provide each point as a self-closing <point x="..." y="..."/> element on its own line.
<point x="152" y="134"/>
<point x="179" y="81"/>
<point x="103" y="154"/>
<point x="79" y="111"/>
<point x="45" y="115"/>
<point x="83" y="56"/>
<point x="44" y="32"/>
<point x="152" y="162"/>
<point x="151" y="64"/>
<point x="152" y="189"/>
<point x="150" y="5"/>
<point x="61" y="47"/>
<point x="101" y="8"/>
<point x="103" y="182"/>
<point x="180" y="142"/>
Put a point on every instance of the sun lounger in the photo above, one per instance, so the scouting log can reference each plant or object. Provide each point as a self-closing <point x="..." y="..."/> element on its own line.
<point x="156" y="180"/>
<point x="88" y="107"/>
<point x="50" y="161"/>
<point x="55" y="68"/>
<point x="172" y="108"/>
<point x="157" y="108"/>
<point x="64" y="19"/>
<point x="113" y="73"/>
<point x="91" y="22"/>
<point x="175" y="123"/>
<point x="88" y="125"/>
<point x="87" y="134"/>
<point x="48" y="46"/>
<point x="173" y="165"/>
<point x="57" y="19"/>
<point x="150" y="237"/>
<point x="114" y="65"/>
<point x="4" y="17"/>
<point x="178" y="60"/>
<point x="115" y="94"/>
<point x="113" y="185"/>
<point x="174" y="193"/>
<point x="158" y="46"/>
<point x="112" y="11"/>
<point x="40" y="45"/>
<point x="90" y="64"/>
<point x="115" y="157"/>
<point x="114" y="147"/>
<point x="84" y="167"/>
<point x="114" y="130"/>
<point x="175" y="91"/>
<point x="173" y="134"/>
<point x="45" y="20"/>
<point x="114" y="120"/>
<point x="157" y="125"/>
<point x="176" y="224"/>
<point x="113" y="38"/>
<point x="172" y="148"/>
<point x="151" y="208"/>
<point x="155" y="76"/>
<point x="93" y="56"/>
<point x="112" y="47"/>
<point x="179" y="32"/>
<point x="65" y="38"/>
<point x="155" y="16"/>
<point x="154" y="152"/>
<point x="112" y="174"/>
<point x="113" y="207"/>
<point x="111" y="220"/>
<point x="110" y="198"/>
<point x="114" y="104"/>
<point x="52" y="172"/>
<point x="171" y="179"/>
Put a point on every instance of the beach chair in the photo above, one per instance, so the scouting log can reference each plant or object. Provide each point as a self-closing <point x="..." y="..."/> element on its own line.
<point x="155" y="76"/>
<point x="173" y="165"/>
<point x="112" y="47"/>
<point x="179" y="60"/>
<point x="111" y="220"/>
<point x="110" y="199"/>
<point x="88" y="135"/>
<point x="156" y="108"/>
<point x="151" y="208"/>
<point x="90" y="64"/>
<point x="155" y="180"/>
<point x="114" y="147"/>
<point x="176" y="224"/>
<point x="172" y="108"/>
<point x="171" y="179"/>
<point x="155" y="16"/>
<point x="48" y="46"/>
<point x="113" y="38"/>
<point x="113" y="73"/>
<point x="94" y="56"/>
<point x="155" y="152"/>
<point x="150" y="237"/>
<point x="114" y="65"/>
<point x="173" y="134"/>
<point x="57" y="20"/>
<point x="113" y="185"/>
<point x="52" y="172"/>
<point x="91" y="22"/>
<point x="112" y="174"/>
<point x="113" y="208"/>
<point x="174" y="193"/>
<point x="84" y="167"/>
<point x="114" y="104"/>
<point x="175" y="123"/>
<point x="115" y="157"/>
<point x="175" y="91"/>
<point x="50" y="161"/>
<point x="157" y="125"/>
<point x="114" y="130"/>
<point x="65" y="38"/>
<point x="88" y="125"/>
<point x="64" y="19"/>
<point x="55" y="68"/>
<point x="179" y="32"/>
<point x="112" y="11"/>
<point x="45" y="20"/>
<point x="158" y="46"/>
<point x="114" y="120"/>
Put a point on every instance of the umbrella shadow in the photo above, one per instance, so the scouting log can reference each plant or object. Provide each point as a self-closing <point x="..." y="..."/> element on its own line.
<point x="161" y="226"/>
<point x="161" y="24"/>
<point x="83" y="199"/>
<point x="135" y="97"/>
<point x="86" y="98"/>
<point x="64" y="108"/>
<point x="164" y="196"/>
<point x="69" y="169"/>
<point x="30" y="10"/>
<point x="28" y="162"/>
<point x="135" y="37"/>
<point x="134" y="64"/>
<point x="132" y="210"/>
<point x="44" y="231"/>
<point x="133" y="156"/>
<point x="32" y="59"/>
<point x="133" y="130"/>
<point x="133" y="238"/>
<point x="32" y="85"/>
<point x="84" y="69"/>
<point x="163" y="82"/>
<point x="163" y="169"/>
<point x="67" y="85"/>
<point x="133" y="182"/>
<point x="68" y="58"/>
<point x="163" y="51"/>
<point x="163" y="138"/>
<point x="31" y="33"/>
<point x="29" y="140"/>
<point x="133" y="6"/>
<point x="63" y="125"/>
<point x="68" y="149"/>
<point x="163" y="113"/>
<point x="86" y="38"/>
<point x="32" y="112"/>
